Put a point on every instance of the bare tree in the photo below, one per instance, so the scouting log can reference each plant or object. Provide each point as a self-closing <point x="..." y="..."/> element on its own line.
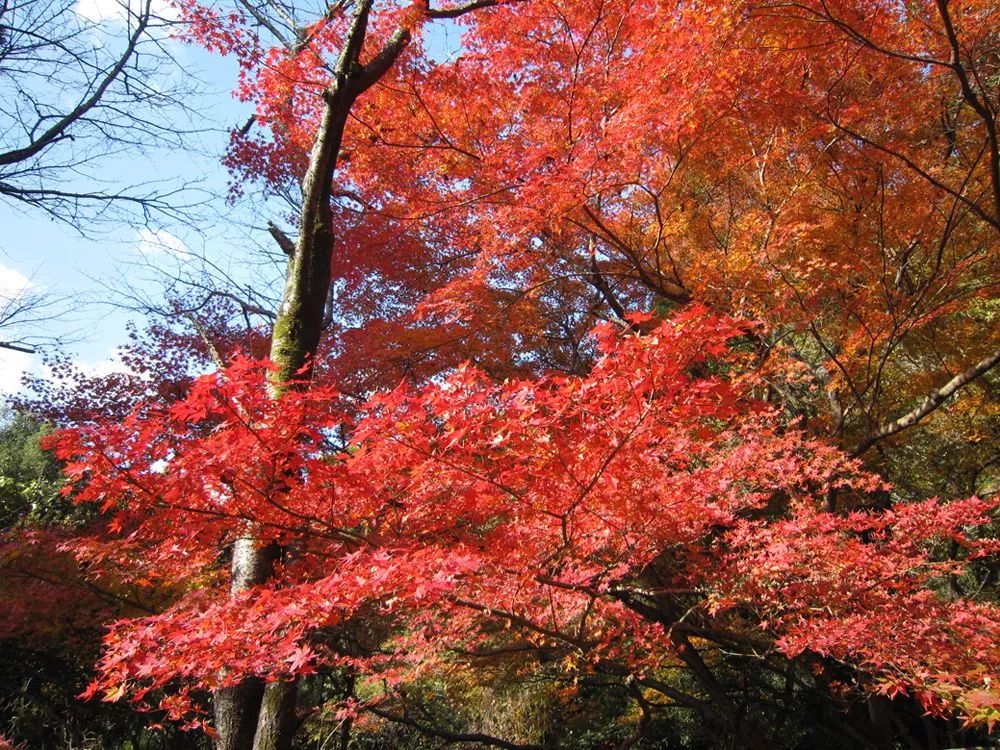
<point x="77" y="92"/>
<point x="88" y="90"/>
<point x="24" y="317"/>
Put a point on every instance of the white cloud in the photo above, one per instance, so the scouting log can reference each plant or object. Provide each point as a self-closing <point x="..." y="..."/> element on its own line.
<point x="104" y="367"/>
<point x="160" y="241"/>
<point x="12" y="366"/>
<point x="99" y="11"/>
<point x="12" y="282"/>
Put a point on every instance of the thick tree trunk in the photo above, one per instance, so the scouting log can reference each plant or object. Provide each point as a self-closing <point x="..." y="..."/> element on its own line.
<point x="251" y="716"/>
<point x="236" y="714"/>
<point x="276" y="724"/>
<point x="296" y="335"/>
<point x="237" y="707"/>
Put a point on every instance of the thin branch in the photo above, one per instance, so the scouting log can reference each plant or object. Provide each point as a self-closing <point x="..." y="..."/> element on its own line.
<point x="968" y="202"/>
<point x="979" y="104"/>
<point x="58" y="131"/>
<point x="213" y="350"/>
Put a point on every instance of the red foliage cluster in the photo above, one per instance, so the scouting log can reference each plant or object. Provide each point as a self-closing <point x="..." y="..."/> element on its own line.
<point x="577" y="511"/>
<point x="764" y="159"/>
<point x="825" y="167"/>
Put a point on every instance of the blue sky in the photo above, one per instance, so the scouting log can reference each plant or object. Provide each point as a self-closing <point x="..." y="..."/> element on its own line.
<point x="54" y="258"/>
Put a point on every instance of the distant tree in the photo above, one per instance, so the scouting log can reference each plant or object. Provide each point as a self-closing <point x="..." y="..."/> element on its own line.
<point x="49" y="640"/>
<point x="30" y="478"/>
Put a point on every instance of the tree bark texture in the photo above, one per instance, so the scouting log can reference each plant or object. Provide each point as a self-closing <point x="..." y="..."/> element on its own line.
<point x="252" y="716"/>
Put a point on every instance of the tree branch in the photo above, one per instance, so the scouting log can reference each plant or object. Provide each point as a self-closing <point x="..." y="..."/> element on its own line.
<point x="932" y="401"/>
<point x="381" y="63"/>
<point x="58" y="130"/>
<point x="16" y="347"/>
<point x="283" y="240"/>
<point x="443" y="734"/>
<point x="459" y="10"/>
<point x="980" y="105"/>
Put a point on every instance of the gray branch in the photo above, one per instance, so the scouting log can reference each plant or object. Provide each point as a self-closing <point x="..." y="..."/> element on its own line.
<point x="931" y="402"/>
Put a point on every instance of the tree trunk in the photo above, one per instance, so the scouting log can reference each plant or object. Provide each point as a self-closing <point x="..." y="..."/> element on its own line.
<point x="236" y="714"/>
<point x="237" y="707"/>
<point x="250" y="716"/>
<point x="276" y="724"/>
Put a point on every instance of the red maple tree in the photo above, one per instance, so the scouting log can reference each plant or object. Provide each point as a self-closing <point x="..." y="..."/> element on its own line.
<point x="621" y="515"/>
<point x="631" y="500"/>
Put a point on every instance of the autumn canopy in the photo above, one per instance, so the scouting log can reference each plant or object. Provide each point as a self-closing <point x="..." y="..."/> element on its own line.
<point x="635" y="356"/>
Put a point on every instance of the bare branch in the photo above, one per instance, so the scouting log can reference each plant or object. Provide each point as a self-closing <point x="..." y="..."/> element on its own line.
<point x="27" y="317"/>
<point x="460" y="10"/>
<point x="17" y="347"/>
<point x="58" y="131"/>
<point x="283" y="240"/>
<point x="75" y="92"/>
<point x="447" y="736"/>
<point x="266" y="22"/>
<point x="213" y="350"/>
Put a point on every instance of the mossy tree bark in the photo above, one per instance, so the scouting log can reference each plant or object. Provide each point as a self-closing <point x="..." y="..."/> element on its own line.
<point x="252" y="715"/>
<point x="266" y="714"/>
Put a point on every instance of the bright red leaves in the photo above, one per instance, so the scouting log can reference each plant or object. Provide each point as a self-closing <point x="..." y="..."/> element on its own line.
<point x="577" y="512"/>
